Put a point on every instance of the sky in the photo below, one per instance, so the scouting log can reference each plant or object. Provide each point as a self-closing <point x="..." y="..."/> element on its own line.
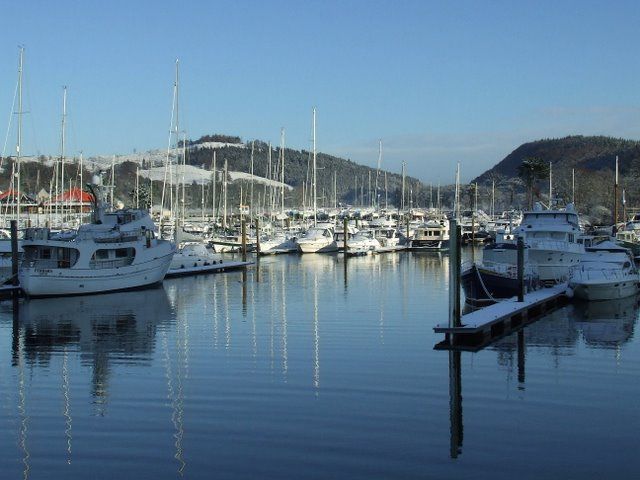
<point x="438" y="82"/>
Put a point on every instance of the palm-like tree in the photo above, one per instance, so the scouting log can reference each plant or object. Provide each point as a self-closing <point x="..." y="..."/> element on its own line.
<point x="530" y="171"/>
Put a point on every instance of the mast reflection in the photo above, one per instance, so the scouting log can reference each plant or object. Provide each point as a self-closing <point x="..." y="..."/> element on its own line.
<point x="455" y="403"/>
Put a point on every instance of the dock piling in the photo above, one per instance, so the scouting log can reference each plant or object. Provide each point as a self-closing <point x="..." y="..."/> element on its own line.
<point x="258" y="235"/>
<point x="520" y="269"/>
<point x="454" y="276"/>
<point x="344" y="229"/>
<point x="244" y="240"/>
<point x="14" y="253"/>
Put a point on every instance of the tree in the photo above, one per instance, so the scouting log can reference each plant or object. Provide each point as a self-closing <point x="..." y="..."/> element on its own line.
<point x="530" y="171"/>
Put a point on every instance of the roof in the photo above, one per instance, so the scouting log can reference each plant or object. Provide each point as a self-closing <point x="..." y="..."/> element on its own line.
<point x="74" y="195"/>
<point x="12" y="194"/>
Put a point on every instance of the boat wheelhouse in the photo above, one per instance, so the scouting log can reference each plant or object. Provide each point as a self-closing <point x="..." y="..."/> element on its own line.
<point x="432" y="235"/>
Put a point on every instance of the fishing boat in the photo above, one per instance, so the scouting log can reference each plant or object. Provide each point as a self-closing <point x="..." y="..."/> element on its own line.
<point x="119" y="250"/>
<point x="606" y="272"/>
<point x="431" y="235"/>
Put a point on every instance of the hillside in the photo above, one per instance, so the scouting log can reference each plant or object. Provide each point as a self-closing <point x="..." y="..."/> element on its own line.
<point x="37" y="172"/>
<point x="591" y="158"/>
<point x="579" y="152"/>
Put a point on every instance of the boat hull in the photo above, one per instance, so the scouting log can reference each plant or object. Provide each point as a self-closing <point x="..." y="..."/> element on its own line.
<point x="315" y="247"/>
<point x="483" y="287"/>
<point x="435" y="245"/>
<point x="598" y="291"/>
<point x="69" y="281"/>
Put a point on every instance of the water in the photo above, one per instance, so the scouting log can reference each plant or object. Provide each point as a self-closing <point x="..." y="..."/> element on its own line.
<point x="305" y="372"/>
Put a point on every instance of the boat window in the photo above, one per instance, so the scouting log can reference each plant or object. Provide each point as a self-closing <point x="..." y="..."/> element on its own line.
<point x="45" y="253"/>
<point x="122" y="252"/>
<point x="102" y="254"/>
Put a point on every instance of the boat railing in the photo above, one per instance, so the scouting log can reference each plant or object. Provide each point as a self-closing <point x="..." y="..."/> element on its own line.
<point x="506" y="269"/>
<point x="559" y="245"/>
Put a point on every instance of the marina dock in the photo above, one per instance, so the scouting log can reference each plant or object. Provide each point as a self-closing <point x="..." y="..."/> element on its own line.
<point x="220" y="267"/>
<point x="479" y="328"/>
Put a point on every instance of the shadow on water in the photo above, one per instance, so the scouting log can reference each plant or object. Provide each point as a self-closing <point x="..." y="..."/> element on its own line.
<point x="603" y="325"/>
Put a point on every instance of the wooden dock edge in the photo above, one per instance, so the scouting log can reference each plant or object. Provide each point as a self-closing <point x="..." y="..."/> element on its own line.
<point x="476" y="336"/>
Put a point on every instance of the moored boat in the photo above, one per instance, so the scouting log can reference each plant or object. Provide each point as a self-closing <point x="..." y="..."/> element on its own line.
<point x="119" y="250"/>
<point x="606" y="272"/>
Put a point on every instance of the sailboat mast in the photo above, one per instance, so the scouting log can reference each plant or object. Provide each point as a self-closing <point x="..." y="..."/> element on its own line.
<point x="573" y="186"/>
<point x="402" y="202"/>
<point x="550" y="185"/>
<point x="137" y="186"/>
<point x="62" y="143"/>
<point x="457" y="197"/>
<point x="19" y="145"/>
<point x="335" y="190"/>
<point x="184" y="167"/>
<point x="475" y="206"/>
<point x="282" y="168"/>
<point x="113" y="178"/>
<point x="377" y="205"/>
<point x="224" y="186"/>
<point x="315" y="204"/>
<point x="386" y="194"/>
<point x="251" y="185"/>
<point x="213" y="189"/>
<point x="81" y="186"/>
<point x="615" y="196"/>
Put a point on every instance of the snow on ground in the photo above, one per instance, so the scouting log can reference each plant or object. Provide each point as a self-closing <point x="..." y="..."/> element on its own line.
<point x="156" y="157"/>
<point x="201" y="176"/>
<point x="243" y="176"/>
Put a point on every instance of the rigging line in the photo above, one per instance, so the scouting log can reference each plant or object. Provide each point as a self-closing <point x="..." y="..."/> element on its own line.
<point x="11" y="113"/>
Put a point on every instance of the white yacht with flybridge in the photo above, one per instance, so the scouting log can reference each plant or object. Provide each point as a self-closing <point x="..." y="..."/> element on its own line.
<point x="119" y="250"/>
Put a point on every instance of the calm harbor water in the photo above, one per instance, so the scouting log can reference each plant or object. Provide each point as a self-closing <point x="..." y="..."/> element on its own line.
<point x="310" y="369"/>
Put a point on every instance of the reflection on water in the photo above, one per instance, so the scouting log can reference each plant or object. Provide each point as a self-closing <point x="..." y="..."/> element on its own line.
<point x="603" y="325"/>
<point x="303" y="363"/>
<point x="102" y="328"/>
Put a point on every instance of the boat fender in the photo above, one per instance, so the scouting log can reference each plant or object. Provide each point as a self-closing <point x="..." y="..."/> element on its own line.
<point x="569" y="292"/>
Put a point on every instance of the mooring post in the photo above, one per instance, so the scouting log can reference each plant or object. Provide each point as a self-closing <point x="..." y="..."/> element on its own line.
<point x="520" y="269"/>
<point x="454" y="276"/>
<point x="473" y="238"/>
<point x="244" y="240"/>
<point x="258" y="235"/>
<point x="14" y="253"/>
<point x="345" y="223"/>
<point x="407" y="228"/>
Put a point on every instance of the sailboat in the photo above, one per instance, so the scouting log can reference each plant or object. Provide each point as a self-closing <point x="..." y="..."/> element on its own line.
<point x="321" y="237"/>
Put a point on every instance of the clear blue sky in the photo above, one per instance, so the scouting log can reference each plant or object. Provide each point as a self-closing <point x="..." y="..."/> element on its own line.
<point x="437" y="81"/>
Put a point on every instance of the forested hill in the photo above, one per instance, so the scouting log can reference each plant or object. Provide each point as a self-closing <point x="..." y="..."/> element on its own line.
<point x="596" y="153"/>
<point x="349" y="174"/>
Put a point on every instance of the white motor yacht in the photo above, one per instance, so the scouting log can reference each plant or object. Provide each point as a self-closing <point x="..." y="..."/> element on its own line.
<point x="552" y="241"/>
<point x="118" y="251"/>
<point x="279" y="242"/>
<point x="318" y="239"/>
<point x="363" y="243"/>
<point x="606" y="272"/>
